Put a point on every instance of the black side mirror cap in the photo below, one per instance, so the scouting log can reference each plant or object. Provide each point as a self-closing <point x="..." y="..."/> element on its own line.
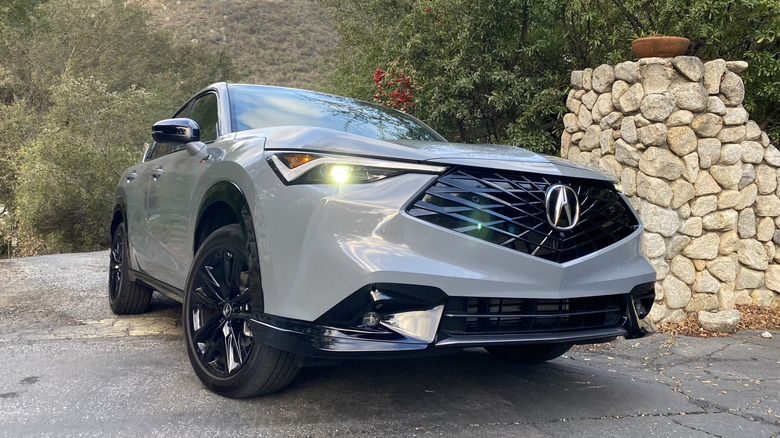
<point x="176" y="131"/>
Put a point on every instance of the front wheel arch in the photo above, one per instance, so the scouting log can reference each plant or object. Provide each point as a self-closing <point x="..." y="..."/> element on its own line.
<point x="223" y="204"/>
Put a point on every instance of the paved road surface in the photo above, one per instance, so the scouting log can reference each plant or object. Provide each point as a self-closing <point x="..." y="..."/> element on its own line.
<point x="70" y="367"/>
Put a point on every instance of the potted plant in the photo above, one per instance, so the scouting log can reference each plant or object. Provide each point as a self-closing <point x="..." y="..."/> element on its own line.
<point x="660" y="46"/>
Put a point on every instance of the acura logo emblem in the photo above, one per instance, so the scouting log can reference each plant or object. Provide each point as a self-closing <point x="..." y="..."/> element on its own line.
<point x="562" y="207"/>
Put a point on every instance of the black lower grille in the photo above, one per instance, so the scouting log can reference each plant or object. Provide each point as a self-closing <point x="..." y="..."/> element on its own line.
<point x="475" y="316"/>
<point x="508" y="209"/>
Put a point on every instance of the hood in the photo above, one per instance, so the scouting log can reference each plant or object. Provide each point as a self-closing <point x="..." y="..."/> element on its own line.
<point x="503" y="157"/>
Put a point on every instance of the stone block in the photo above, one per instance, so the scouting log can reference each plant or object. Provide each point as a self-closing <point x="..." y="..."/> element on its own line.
<point x="691" y="96"/>
<point x="632" y="99"/>
<point x="603" y="78"/>
<point x="627" y="71"/>
<point x="654" y="190"/>
<point x="749" y="279"/>
<point x="723" y="321"/>
<point x="732" y="89"/>
<point x="746" y="224"/>
<point x="735" y="116"/>
<point x="676" y="292"/>
<point x="766" y="179"/>
<point x="747" y="196"/>
<point x="723" y="268"/>
<point x="716" y="106"/>
<point x="661" y="163"/>
<point x="723" y="220"/>
<point x="690" y="66"/>
<point x="703" y="248"/>
<point x="751" y="253"/>
<point x="682" y="141"/>
<point x="729" y="242"/>
<point x="683" y="269"/>
<point x="728" y="199"/>
<point x="679" y="118"/>
<point x="707" y="124"/>
<point x="704" y="205"/>
<point x="708" y="148"/>
<point x="713" y="72"/>
<point x="727" y="177"/>
<point x="767" y="205"/>
<point x="652" y="135"/>
<point x="660" y="220"/>
<point x="772" y="278"/>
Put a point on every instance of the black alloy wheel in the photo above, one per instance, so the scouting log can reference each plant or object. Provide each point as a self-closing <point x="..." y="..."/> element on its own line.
<point x="222" y="295"/>
<point x="124" y="295"/>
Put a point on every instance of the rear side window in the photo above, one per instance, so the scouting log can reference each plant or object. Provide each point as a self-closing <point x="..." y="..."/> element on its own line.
<point x="204" y="113"/>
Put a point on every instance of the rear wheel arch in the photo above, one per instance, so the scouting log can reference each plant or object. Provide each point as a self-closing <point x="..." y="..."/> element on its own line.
<point x="119" y="216"/>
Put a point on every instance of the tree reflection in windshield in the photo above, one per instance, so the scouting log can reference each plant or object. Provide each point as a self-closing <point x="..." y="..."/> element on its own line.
<point x="256" y="106"/>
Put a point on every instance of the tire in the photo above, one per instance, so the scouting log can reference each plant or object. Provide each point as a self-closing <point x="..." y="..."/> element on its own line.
<point x="124" y="296"/>
<point x="529" y="354"/>
<point x="223" y="292"/>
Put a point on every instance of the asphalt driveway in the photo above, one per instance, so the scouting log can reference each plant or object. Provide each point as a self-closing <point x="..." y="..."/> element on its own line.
<point x="70" y="367"/>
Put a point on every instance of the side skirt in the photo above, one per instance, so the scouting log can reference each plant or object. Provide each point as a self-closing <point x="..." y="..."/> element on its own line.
<point x="160" y="286"/>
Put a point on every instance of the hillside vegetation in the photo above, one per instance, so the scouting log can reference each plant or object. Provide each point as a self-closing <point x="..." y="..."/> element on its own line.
<point x="274" y="42"/>
<point x="81" y="82"/>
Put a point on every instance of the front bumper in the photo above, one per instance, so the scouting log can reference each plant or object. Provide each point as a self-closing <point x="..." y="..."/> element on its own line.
<point x="339" y="334"/>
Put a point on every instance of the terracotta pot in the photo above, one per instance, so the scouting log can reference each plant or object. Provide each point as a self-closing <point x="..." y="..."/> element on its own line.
<point x="660" y="46"/>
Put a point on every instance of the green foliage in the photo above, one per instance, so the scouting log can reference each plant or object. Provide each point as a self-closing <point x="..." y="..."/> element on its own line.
<point x="72" y="165"/>
<point x="485" y="70"/>
<point x="81" y="85"/>
<point x="497" y="70"/>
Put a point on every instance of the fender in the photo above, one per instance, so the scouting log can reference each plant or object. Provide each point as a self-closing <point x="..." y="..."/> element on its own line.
<point x="223" y="204"/>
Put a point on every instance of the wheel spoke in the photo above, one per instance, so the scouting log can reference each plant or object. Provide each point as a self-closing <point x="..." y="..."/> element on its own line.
<point x="234" y="354"/>
<point x="209" y="337"/>
<point x="199" y="296"/>
<point x="244" y="297"/>
<point x="211" y="284"/>
<point x="207" y="330"/>
<point x="116" y="253"/>
<point x="228" y="264"/>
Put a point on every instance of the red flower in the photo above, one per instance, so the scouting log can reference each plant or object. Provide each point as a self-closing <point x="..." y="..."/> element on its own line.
<point x="393" y="89"/>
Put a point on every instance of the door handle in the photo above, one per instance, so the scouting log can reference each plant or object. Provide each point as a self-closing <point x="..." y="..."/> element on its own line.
<point x="156" y="173"/>
<point x="132" y="176"/>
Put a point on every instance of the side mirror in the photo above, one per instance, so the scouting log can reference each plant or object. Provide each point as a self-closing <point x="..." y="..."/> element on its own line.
<point x="178" y="131"/>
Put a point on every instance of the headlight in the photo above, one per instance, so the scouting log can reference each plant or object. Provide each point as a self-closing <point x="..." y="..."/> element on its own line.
<point x="306" y="168"/>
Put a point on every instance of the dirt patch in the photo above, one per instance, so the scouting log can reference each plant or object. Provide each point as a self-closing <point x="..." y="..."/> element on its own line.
<point x="752" y="318"/>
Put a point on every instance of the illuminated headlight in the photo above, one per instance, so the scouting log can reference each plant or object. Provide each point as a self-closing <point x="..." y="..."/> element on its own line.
<point x="306" y="168"/>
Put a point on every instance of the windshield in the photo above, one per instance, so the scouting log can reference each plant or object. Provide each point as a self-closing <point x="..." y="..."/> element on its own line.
<point x="254" y="106"/>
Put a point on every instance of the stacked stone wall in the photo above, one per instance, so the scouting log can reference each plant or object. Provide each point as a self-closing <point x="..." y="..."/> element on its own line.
<point x="702" y="176"/>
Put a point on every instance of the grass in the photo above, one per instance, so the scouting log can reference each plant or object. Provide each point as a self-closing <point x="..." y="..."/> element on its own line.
<point x="274" y="42"/>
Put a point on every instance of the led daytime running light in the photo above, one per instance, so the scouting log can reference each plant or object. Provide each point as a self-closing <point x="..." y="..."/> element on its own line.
<point x="295" y="168"/>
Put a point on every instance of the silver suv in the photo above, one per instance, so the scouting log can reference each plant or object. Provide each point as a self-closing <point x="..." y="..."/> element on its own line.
<point x="299" y="228"/>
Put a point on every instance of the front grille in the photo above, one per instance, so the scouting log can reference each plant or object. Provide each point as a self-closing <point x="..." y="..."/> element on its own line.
<point x="508" y="209"/>
<point x="475" y="316"/>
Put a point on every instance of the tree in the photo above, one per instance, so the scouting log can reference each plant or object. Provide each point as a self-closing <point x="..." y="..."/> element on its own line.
<point x="82" y="82"/>
<point x="486" y="71"/>
<point x="497" y="70"/>
<point x="601" y="31"/>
